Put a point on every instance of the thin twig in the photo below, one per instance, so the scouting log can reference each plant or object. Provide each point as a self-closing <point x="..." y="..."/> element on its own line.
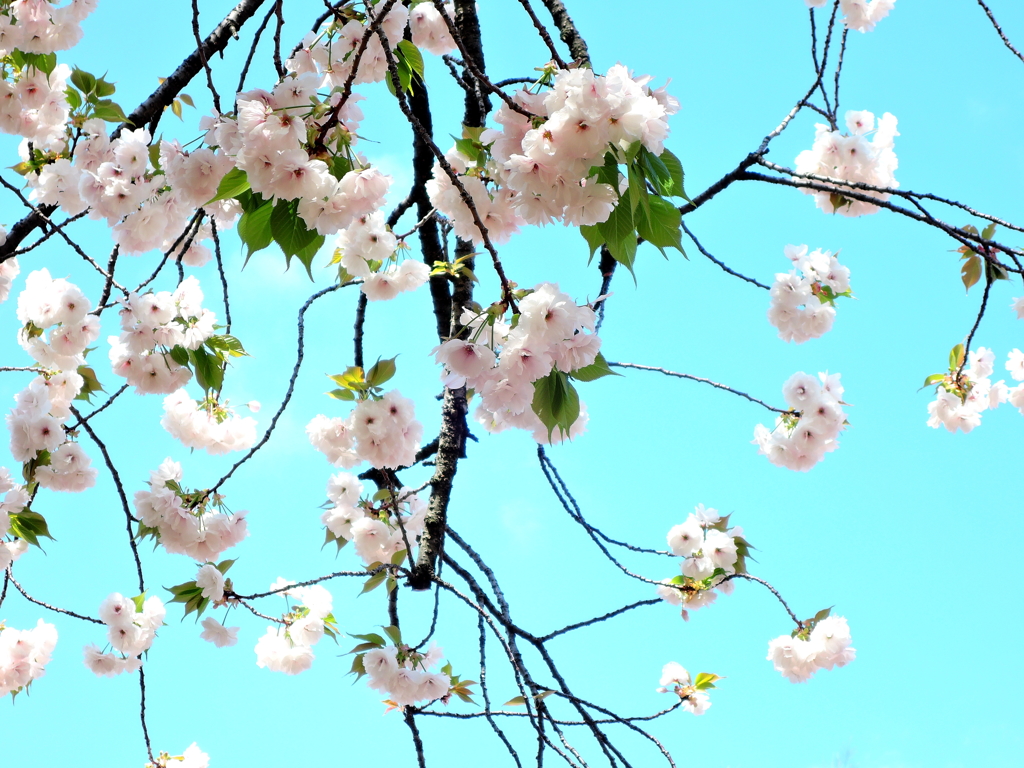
<point x="697" y="378"/>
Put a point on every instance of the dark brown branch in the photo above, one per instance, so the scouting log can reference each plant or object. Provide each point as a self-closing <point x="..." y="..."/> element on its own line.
<point x="542" y="31"/>
<point x="568" y="32"/>
<point x="9" y="575"/>
<point x="142" y="713"/>
<point x="722" y="264"/>
<point x="999" y="31"/>
<point x="206" y="64"/>
<point x="129" y="518"/>
<point x="701" y="380"/>
<point x="288" y="393"/>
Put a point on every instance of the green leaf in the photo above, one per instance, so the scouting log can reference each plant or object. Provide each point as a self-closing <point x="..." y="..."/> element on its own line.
<point x="352" y="378"/>
<point x="154" y="154"/>
<point x="556" y="402"/>
<point x="705" y="680"/>
<point x="339" y="166"/>
<point x="609" y="172"/>
<point x="29" y="525"/>
<point x="373" y="637"/>
<point x="595" y="370"/>
<point x="381" y="371"/>
<point x="394" y="633"/>
<point x="176" y="109"/>
<point x="83" y="81"/>
<point x="620" y="223"/>
<point x="956" y="357"/>
<point x="91" y="384"/>
<point x="624" y="252"/>
<point x="989" y="231"/>
<point x="209" y="373"/>
<point x="412" y="56"/>
<point x="633" y="150"/>
<point x="341" y="541"/>
<point x="187" y="99"/>
<point x="663" y="227"/>
<point x="357" y="667"/>
<point x="224" y="565"/>
<point x="254" y="228"/>
<point x="935" y="378"/>
<point x="517" y="701"/>
<point x="970" y="272"/>
<point x="675" y="169"/>
<point x="373" y="582"/>
<point x="140" y="601"/>
<point x="110" y="112"/>
<point x="822" y="614"/>
<point x="103" y="88"/>
<point x="73" y="97"/>
<point x="290" y="232"/>
<point x="234" y="183"/>
<point x="593" y="237"/>
<point x="179" y="355"/>
<point x="657" y="173"/>
<point x="226" y="343"/>
<point x="342" y="394"/>
<point x="638" y="191"/>
<point x="44" y="62"/>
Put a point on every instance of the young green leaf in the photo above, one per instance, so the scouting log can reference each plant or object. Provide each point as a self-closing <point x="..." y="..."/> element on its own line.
<point x="234" y="182"/>
<point x="595" y="370"/>
<point x="556" y="402"/>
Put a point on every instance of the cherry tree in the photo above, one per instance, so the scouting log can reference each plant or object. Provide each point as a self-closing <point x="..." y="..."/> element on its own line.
<point x="162" y="365"/>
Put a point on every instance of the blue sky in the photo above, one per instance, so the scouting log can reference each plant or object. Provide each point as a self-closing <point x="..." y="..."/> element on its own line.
<point x="910" y="532"/>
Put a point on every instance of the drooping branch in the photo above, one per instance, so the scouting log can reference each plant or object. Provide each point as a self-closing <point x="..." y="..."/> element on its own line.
<point x="720" y="263"/>
<point x="999" y="31"/>
<point x="699" y="379"/>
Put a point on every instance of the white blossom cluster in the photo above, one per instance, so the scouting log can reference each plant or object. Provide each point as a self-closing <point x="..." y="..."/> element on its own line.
<point x="675" y="679"/>
<point x="130" y="633"/>
<point x="801" y="308"/>
<point x="9" y="270"/>
<point x="218" y="634"/>
<point x="36" y="423"/>
<point x="959" y="406"/>
<point x="852" y="158"/>
<point x="501" y="363"/>
<point x="33" y="104"/>
<point x="185" y="523"/>
<point x="541" y="172"/>
<point x="803" y="435"/>
<point x="367" y="249"/>
<point x="404" y="674"/>
<point x="14" y="499"/>
<point x="383" y="432"/>
<point x="827" y="646"/>
<point x="429" y="30"/>
<point x="116" y="181"/>
<point x="861" y="15"/>
<point x="709" y="546"/>
<point x="209" y="425"/>
<point x="151" y="325"/>
<point x="60" y="307"/>
<point x="378" y="532"/>
<point x="288" y="647"/>
<point x="24" y="654"/>
<point x="330" y="51"/>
